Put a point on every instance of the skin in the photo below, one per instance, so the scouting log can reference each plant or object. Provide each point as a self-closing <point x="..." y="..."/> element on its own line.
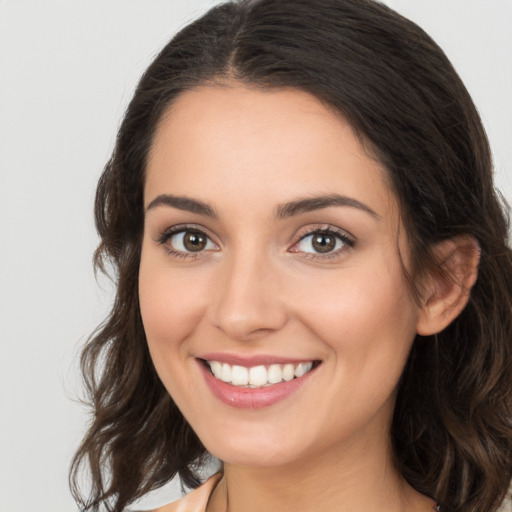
<point x="259" y="288"/>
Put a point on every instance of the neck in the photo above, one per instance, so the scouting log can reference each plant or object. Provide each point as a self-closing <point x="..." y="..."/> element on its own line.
<point x="360" y="478"/>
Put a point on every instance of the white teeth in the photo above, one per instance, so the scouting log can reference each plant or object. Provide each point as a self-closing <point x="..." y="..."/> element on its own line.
<point x="258" y="376"/>
<point x="275" y="374"/>
<point x="303" y="368"/>
<point x="288" y="372"/>
<point x="239" y="376"/>
<point x="226" y="373"/>
<point x="216" y="368"/>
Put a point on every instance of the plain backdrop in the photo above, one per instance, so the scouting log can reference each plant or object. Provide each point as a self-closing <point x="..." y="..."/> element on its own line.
<point x="67" y="70"/>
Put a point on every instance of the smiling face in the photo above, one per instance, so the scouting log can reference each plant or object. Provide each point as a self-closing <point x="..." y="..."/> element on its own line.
<point x="270" y="258"/>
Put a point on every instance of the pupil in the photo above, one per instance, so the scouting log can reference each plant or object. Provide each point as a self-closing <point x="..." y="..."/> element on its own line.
<point x="324" y="243"/>
<point x="194" y="242"/>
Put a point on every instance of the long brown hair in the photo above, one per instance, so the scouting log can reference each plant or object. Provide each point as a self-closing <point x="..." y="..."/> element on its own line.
<point x="452" y="426"/>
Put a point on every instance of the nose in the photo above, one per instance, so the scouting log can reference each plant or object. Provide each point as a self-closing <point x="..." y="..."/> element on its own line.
<point x="248" y="304"/>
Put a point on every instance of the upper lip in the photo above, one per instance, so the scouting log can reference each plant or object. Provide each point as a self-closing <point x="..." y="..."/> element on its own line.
<point x="253" y="360"/>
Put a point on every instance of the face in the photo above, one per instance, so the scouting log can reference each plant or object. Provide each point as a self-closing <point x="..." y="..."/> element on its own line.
<point x="271" y="288"/>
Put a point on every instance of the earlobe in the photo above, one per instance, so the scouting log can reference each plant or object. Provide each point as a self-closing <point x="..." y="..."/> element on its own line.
<point x="448" y="285"/>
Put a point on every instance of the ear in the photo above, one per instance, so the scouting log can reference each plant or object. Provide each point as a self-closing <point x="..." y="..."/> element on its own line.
<point x="447" y="287"/>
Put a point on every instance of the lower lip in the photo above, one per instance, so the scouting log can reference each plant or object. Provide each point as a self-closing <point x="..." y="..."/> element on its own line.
<point x="251" y="398"/>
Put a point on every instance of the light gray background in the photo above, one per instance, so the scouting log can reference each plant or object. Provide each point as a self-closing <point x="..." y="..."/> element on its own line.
<point x="67" y="71"/>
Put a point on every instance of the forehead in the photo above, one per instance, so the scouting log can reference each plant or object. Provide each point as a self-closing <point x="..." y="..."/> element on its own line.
<point x="261" y="143"/>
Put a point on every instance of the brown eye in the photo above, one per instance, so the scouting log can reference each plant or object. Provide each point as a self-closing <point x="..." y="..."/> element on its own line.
<point x="190" y="241"/>
<point x="194" y="242"/>
<point x="323" y="242"/>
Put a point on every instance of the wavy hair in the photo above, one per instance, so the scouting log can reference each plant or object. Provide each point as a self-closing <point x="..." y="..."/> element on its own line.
<point x="452" y="425"/>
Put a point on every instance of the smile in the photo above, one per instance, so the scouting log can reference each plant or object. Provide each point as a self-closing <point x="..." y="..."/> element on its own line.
<point x="254" y="384"/>
<point x="258" y="376"/>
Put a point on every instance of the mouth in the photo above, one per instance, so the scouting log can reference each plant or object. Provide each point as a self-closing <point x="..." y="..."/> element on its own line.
<point x="259" y="376"/>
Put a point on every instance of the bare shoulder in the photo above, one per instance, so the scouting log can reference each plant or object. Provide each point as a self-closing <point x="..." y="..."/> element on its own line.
<point x="170" y="507"/>
<point x="182" y="505"/>
<point x="194" y="501"/>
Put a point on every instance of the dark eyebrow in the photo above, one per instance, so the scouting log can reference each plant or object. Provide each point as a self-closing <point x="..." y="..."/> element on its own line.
<point x="309" y="204"/>
<point x="183" y="203"/>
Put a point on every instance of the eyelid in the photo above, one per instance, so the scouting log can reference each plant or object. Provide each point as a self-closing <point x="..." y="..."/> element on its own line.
<point x="178" y="228"/>
<point x="346" y="238"/>
<point x="163" y="237"/>
<point x="325" y="228"/>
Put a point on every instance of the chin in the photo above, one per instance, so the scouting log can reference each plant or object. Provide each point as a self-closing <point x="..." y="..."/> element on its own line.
<point x="269" y="452"/>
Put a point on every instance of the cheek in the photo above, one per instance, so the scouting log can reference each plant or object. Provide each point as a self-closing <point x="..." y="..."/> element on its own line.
<point x="368" y="322"/>
<point x="171" y="309"/>
<point x="366" y="316"/>
<point x="171" y="306"/>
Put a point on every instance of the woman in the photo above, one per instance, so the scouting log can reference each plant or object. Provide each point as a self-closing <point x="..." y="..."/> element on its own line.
<point x="314" y="284"/>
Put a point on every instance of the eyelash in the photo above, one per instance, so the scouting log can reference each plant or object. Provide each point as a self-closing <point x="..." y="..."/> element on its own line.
<point x="165" y="236"/>
<point x="347" y="241"/>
